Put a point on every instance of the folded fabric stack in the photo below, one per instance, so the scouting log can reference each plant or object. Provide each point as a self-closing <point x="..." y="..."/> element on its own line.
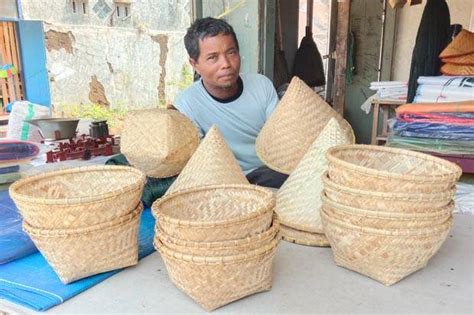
<point x="215" y="232"/>
<point x="443" y="89"/>
<point x="14" y="153"/>
<point x="458" y="56"/>
<point x="390" y="90"/>
<point x="446" y="128"/>
<point x="386" y="211"/>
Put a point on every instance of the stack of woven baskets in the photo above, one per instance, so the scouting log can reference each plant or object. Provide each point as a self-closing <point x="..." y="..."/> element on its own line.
<point x="386" y="211"/>
<point x="218" y="241"/>
<point x="83" y="220"/>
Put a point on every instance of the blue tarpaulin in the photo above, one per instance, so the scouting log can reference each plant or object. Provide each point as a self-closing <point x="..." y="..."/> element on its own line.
<point x="31" y="282"/>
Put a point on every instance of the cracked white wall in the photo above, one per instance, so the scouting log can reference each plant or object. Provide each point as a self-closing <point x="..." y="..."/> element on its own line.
<point x="125" y="60"/>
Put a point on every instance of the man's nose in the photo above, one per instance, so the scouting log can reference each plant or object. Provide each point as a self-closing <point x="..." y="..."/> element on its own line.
<point x="225" y="62"/>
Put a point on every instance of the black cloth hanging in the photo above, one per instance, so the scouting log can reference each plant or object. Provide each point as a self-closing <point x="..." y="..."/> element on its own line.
<point x="434" y="34"/>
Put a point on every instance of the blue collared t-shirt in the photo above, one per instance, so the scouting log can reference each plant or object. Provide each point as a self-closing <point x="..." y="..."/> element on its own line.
<point x="239" y="120"/>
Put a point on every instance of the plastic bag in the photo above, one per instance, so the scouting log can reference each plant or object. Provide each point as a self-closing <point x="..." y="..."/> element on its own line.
<point x="433" y="130"/>
<point x="18" y="129"/>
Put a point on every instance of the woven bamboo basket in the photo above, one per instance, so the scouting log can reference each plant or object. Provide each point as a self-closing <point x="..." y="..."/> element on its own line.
<point x="298" y="201"/>
<point x="222" y="248"/>
<point x="78" y="197"/>
<point x="298" y="119"/>
<point x="216" y="281"/>
<point x="385" y="220"/>
<point x="302" y="237"/>
<point x="386" y="169"/>
<point x="78" y="253"/>
<point x="384" y="255"/>
<point x="409" y="203"/>
<point x="216" y="212"/>
<point x="213" y="163"/>
<point x="158" y="141"/>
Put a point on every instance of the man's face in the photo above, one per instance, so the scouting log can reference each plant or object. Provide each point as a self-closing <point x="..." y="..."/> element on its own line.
<point x="218" y="62"/>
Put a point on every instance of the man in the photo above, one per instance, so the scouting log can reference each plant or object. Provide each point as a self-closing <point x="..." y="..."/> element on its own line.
<point x="239" y="104"/>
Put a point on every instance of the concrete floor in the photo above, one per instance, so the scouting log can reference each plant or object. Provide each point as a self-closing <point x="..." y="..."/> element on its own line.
<point x="305" y="281"/>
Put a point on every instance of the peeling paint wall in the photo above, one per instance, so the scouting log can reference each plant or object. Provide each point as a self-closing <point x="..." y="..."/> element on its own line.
<point x="134" y="62"/>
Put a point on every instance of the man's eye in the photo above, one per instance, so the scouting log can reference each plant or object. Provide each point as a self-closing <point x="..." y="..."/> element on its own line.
<point x="212" y="58"/>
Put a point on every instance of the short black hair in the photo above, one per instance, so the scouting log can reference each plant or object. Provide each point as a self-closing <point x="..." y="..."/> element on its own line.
<point x="206" y="27"/>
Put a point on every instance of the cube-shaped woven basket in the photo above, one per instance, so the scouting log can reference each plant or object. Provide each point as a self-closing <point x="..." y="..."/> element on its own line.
<point x="78" y="253"/>
<point x="376" y="168"/>
<point x="216" y="212"/>
<point x="395" y="202"/>
<point x="78" y="197"/>
<point x="159" y="142"/>
<point x="382" y="254"/>
<point x="215" y="281"/>
<point x="219" y="248"/>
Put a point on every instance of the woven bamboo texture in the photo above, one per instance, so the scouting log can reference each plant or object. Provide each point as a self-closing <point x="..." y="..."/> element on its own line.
<point x="303" y="238"/>
<point x="384" y="169"/>
<point x="215" y="213"/>
<point x="298" y="201"/>
<point x="216" y="281"/>
<point x="222" y="248"/>
<point x="408" y="203"/>
<point x="457" y="70"/>
<point x="384" y="220"/>
<point x="78" y="197"/>
<point x="461" y="60"/>
<point x="213" y="163"/>
<point x="78" y="253"/>
<point x="158" y="141"/>
<point x="384" y="255"/>
<point x="294" y="125"/>
<point x="462" y="44"/>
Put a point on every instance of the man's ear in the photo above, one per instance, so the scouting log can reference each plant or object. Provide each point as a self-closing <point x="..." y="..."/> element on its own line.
<point x="193" y="64"/>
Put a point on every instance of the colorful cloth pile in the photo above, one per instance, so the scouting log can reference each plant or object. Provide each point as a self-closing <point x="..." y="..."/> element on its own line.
<point x="446" y="128"/>
<point x="390" y="90"/>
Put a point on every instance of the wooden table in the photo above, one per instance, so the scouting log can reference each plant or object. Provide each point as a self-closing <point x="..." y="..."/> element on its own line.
<point x="380" y="136"/>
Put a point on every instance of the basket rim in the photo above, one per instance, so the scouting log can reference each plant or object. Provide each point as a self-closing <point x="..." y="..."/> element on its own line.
<point x="268" y="194"/>
<point x="123" y="220"/>
<point x="386" y="215"/>
<point x="321" y="242"/>
<point x="455" y="173"/>
<point x="13" y="190"/>
<point x="227" y="259"/>
<point x="328" y="182"/>
<point x="166" y="238"/>
<point x="287" y="171"/>
<point x="414" y="232"/>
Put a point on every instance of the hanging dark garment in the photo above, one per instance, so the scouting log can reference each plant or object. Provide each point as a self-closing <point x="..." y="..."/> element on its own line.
<point x="434" y="34"/>
<point x="308" y="64"/>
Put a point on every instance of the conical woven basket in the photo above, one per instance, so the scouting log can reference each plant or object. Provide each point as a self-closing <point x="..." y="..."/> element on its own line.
<point x="384" y="255"/>
<point x="294" y="125"/>
<point x="216" y="281"/>
<point x="467" y="60"/>
<point x="215" y="213"/>
<point x="457" y="70"/>
<point x="298" y="200"/>
<point x="78" y="197"/>
<point x="384" y="169"/>
<point x="303" y="238"/>
<point x="405" y="203"/>
<point x="462" y="44"/>
<point x="78" y="253"/>
<point x="213" y="163"/>
<point x="222" y="248"/>
<point x="158" y="141"/>
<point x="384" y="220"/>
